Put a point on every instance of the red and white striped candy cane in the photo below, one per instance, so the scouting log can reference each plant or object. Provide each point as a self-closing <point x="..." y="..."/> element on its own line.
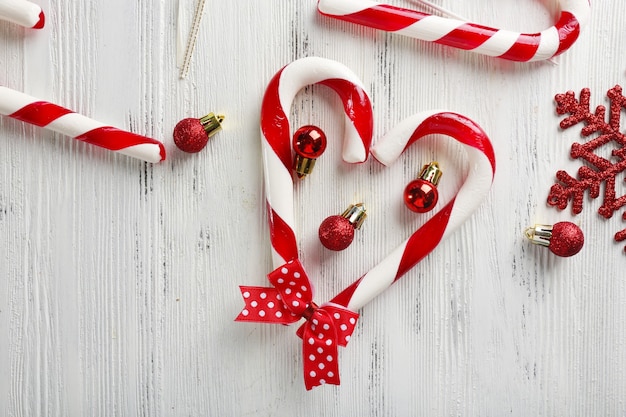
<point x="500" y="43"/>
<point x="28" y="109"/>
<point x="277" y="144"/>
<point x="475" y="188"/>
<point x="22" y="12"/>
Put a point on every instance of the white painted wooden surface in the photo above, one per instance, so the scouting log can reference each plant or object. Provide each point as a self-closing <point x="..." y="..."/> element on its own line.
<point x="119" y="279"/>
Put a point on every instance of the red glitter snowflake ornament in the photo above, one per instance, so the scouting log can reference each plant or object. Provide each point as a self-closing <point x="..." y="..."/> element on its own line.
<point x="598" y="170"/>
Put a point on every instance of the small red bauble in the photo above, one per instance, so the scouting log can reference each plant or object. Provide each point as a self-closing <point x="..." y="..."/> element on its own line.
<point x="191" y="135"/>
<point x="563" y="238"/>
<point x="421" y="194"/>
<point x="337" y="232"/>
<point x="309" y="143"/>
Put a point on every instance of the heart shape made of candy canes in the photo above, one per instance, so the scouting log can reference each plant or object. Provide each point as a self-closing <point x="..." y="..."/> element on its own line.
<point x="291" y="296"/>
<point x="484" y="40"/>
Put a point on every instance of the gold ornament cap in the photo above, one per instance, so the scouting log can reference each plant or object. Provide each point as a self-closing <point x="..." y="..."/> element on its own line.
<point x="431" y="173"/>
<point x="355" y="214"/>
<point x="539" y="234"/>
<point x="212" y="123"/>
<point x="304" y="166"/>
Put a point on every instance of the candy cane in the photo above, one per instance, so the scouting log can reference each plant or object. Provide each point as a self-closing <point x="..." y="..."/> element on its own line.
<point x="59" y="119"/>
<point x="504" y="44"/>
<point x="475" y="188"/>
<point x="276" y="138"/>
<point x="22" y="12"/>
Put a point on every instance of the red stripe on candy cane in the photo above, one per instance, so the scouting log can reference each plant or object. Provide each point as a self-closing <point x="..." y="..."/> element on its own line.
<point x="569" y="29"/>
<point x="469" y="36"/>
<point x="274" y="122"/>
<point x="41" y="22"/>
<point x="383" y="17"/>
<point x="114" y="139"/>
<point x="40" y="113"/>
<point x="524" y="49"/>
<point x="426" y="241"/>
<point x="457" y="126"/>
<point x="356" y="104"/>
<point x="282" y="237"/>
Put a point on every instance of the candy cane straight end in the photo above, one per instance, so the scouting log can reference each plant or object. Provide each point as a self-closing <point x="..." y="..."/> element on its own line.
<point x="41" y="22"/>
<point x="162" y="153"/>
<point x="23" y="13"/>
<point x="154" y="153"/>
<point x="25" y="108"/>
<point x="117" y="140"/>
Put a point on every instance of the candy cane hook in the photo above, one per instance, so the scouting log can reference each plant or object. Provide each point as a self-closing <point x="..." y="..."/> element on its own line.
<point x="504" y="44"/>
<point x="276" y="138"/>
<point x="22" y="12"/>
<point x="475" y="188"/>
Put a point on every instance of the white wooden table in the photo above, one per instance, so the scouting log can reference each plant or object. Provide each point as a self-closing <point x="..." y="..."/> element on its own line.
<point x="119" y="279"/>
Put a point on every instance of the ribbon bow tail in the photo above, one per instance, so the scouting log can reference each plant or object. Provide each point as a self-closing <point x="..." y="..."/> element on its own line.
<point x="319" y="354"/>
<point x="328" y="328"/>
<point x="264" y="305"/>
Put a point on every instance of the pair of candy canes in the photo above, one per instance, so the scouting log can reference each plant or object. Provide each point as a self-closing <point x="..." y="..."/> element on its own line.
<point x="274" y="304"/>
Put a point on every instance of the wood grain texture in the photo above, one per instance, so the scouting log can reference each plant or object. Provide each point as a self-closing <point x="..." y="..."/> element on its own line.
<point x="119" y="278"/>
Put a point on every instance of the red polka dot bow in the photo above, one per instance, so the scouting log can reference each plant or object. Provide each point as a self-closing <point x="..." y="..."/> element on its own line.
<point x="290" y="300"/>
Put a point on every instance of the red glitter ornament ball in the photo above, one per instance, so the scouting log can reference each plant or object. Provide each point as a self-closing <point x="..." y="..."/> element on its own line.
<point x="190" y="136"/>
<point x="336" y="233"/>
<point x="309" y="141"/>
<point x="567" y="239"/>
<point x="420" y="196"/>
